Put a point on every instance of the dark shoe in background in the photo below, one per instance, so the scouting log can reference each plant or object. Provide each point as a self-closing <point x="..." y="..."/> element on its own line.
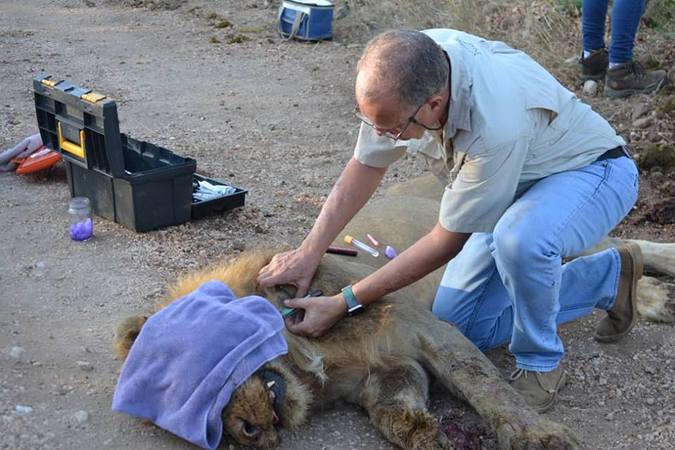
<point x="595" y="66"/>
<point x="632" y="78"/>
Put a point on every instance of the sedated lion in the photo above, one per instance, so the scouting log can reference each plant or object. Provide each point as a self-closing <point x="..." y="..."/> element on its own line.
<point x="381" y="359"/>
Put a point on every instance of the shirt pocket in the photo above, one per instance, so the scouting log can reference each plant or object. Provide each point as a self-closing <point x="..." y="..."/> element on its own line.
<point x="435" y="158"/>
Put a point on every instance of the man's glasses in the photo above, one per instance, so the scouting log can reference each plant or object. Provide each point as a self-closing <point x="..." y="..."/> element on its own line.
<point x="395" y="133"/>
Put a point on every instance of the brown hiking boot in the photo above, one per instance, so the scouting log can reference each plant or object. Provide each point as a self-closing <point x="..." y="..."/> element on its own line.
<point x="539" y="389"/>
<point x="632" y="78"/>
<point x="623" y="315"/>
<point x="595" y="66"/>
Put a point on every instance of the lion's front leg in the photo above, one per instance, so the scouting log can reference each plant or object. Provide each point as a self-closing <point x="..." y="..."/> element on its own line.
<point x="395" y="398"/>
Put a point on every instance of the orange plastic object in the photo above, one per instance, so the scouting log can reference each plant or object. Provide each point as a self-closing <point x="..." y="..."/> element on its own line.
<point x="40" y="160"/>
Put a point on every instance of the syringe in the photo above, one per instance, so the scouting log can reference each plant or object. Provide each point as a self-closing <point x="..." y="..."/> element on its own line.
<point x="361" y="245"/>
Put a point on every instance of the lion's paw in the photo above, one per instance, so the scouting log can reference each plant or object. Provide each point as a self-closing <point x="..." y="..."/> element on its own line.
<point x="546" y="434"/>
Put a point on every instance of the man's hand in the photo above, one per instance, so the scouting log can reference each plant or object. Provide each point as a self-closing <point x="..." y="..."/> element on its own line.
<point x="295" y="267"/>
<point x="315" y="315"/>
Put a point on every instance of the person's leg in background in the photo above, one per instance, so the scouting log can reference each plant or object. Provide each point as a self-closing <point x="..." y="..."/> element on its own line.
<point x="594" y="59"/>
<point x="625" y="75"/>
<point x="626" y="16"/>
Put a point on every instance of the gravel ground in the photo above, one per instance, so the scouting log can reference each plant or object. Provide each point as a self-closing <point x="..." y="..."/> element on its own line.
<point x="263" y="114"/>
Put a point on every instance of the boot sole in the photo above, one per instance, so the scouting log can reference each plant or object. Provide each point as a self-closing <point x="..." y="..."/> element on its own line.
<point x="620" y="93"/>
<point x="599" y="77"/>
<point x="638" y="267"/>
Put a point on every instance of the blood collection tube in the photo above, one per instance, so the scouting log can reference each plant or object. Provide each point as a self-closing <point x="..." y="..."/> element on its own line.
<point x="358" y="244"/>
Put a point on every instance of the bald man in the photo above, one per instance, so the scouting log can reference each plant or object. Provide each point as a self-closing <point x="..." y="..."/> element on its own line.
<point x="533" y="175"/>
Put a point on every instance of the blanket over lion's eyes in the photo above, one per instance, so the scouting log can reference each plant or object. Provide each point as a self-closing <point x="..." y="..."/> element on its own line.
<point x="190" y="356"/>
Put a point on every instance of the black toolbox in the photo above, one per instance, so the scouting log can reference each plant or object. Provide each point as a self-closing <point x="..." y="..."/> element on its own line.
<point x="135" y="183"/>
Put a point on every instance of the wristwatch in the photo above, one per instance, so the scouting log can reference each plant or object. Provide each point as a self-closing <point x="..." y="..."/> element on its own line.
<point x="353" y="305"/>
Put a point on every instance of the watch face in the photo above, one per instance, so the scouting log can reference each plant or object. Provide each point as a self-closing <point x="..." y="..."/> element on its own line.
<point x="355" y="309"/>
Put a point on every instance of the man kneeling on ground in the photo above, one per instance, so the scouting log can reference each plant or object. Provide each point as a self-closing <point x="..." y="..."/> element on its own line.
<point x="533" y="175"/>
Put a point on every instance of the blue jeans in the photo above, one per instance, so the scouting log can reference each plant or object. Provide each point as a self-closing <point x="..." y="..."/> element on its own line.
<point x="626" y="16"/>
<point x="511" y="286"/>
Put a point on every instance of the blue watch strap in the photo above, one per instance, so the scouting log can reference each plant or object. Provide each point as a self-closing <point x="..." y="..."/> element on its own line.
<point x="353" y="304"/>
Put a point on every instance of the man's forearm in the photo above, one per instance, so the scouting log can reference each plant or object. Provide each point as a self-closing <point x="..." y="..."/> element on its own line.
<point x="352" y="190"/>
<point x="426" y="255"/>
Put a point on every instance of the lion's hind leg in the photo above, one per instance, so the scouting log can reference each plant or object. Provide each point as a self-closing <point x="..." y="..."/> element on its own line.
<point x="462" y="368"/>
<point x="395" y="397"/>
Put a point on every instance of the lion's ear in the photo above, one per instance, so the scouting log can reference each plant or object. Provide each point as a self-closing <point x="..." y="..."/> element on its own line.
<point x="126" y="334"/>
<point x="277" y="294"/>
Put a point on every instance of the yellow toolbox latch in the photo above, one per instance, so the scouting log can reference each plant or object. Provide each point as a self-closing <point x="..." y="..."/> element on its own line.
<point x="92" y="97"/>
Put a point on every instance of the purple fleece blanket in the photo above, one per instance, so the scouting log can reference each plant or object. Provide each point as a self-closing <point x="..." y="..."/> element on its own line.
<point x="190" y="356"/>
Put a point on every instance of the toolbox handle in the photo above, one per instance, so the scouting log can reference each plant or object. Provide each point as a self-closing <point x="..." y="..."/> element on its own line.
<point x="71" y="147"/>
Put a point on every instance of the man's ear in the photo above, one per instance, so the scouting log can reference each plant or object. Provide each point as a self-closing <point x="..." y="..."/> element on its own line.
<point x="436" y="104"/>
<point x="277" y="294"/>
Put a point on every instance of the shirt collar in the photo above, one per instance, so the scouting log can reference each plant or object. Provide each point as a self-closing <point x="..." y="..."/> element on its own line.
<point x="459" y="103"/>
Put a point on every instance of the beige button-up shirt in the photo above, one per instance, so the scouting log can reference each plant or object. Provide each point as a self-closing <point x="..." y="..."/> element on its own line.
<point x="510" y="123"/>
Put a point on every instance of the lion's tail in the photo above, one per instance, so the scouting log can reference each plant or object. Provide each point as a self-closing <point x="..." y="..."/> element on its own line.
<point x="126" y="334"/>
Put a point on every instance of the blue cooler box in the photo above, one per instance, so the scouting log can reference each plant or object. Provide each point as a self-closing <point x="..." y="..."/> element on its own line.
<point x="309" y="20"/>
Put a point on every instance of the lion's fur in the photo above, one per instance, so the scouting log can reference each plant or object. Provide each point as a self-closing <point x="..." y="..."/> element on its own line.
<point x="348" y="362"/>
<point x="378" y="359"/>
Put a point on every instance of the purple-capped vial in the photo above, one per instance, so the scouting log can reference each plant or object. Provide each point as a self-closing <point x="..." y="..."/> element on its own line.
<point x="81" y="223"/>
<point x="389" y="252"/>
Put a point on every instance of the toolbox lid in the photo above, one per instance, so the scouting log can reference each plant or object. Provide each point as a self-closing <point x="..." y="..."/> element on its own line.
<point x="79" y="123"/>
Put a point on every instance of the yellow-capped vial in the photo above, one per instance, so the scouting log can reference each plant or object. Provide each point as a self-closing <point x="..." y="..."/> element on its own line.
<point x="361" y="245"/>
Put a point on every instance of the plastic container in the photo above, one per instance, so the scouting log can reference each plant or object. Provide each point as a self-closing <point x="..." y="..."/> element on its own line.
<point x="154" y="192"/>
<point x="135" y="183"/>
<point x="309" y="20"/>
<point x="81" y="223"/>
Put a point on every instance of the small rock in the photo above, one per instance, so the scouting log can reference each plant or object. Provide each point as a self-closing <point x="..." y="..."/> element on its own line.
<point x="81" y="416"/>
<point x="609" y="416"/>
<point x="640" y="110"/>
<point x="643" y="122"/>
<point x="23" y="410"/>
<point x="84" y="365"/>
<point x="650" y="401"/>
<point x="343" y="12"/>
<point x="16" y="352"/>
<point x="590" y="87"/>
<point x="572" y="60"/>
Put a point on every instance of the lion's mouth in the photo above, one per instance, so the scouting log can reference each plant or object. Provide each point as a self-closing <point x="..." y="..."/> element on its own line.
<point x="276" y="385"/>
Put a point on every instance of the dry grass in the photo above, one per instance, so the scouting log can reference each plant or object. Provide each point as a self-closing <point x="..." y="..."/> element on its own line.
<point x="548" y="30"/>
<point x="542" y="28"/>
